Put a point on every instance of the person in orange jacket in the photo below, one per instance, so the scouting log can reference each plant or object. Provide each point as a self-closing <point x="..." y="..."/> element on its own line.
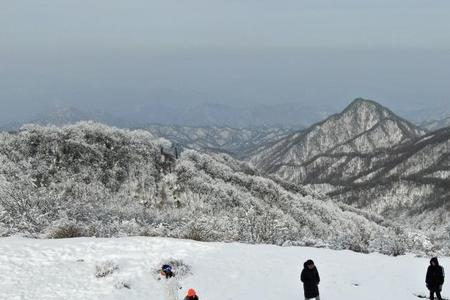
<point x="191" y="295"/>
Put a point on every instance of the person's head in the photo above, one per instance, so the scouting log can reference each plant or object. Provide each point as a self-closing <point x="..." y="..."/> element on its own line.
<point x="309" y="264"/>
<point x="434" y="261"/>
<point x="191" y="293"/>
<point x="166" y="270"/>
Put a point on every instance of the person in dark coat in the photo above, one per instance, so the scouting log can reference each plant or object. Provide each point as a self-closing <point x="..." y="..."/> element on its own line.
<point x="310" y="278"/>
<point x="435" y="278"/>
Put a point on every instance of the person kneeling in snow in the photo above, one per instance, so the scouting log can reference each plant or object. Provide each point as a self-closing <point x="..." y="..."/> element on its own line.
<point x="435" y="278"/>
<point x="310" y="278"/>
<point x="191" y="295"/>
<point x="171" y="285"/>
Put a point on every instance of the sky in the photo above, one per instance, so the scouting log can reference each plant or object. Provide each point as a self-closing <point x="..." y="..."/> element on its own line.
<point x="100" y="53"/>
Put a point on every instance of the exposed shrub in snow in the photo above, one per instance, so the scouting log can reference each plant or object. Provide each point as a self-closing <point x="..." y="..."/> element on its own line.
<point x="393" y="243"/>
<point x="105" y="269"/>
<point x="122" y="284"/>
<point x="197" y="232"/>
<point x="67" y="231"/>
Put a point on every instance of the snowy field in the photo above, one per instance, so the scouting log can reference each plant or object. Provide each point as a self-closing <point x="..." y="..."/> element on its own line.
<point x="65" y="269"/>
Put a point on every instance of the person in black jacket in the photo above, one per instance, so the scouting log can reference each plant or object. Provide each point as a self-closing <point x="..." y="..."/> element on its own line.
<point x="435" y="278"/>
<point x="310" y="278"/>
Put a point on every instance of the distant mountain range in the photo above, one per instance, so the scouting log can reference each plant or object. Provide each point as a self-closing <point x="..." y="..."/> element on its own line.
<point x="436" y="124"/>
<point x="139" y="113"/>
<point x="294" y="116"/>
<point x="425" y="114"/>
<point x="236" y="142"/>
<point x="70" y="115"/>
<point x="370" y="158"/>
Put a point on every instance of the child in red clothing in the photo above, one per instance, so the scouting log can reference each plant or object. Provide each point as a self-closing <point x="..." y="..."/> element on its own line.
<point x="191" y="295"/>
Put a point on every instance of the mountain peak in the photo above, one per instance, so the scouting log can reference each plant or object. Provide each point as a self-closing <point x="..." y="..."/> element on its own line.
<point x="369" y="112"/>
<point x="360" y="104"/>
<point x="361" y="100"/>
<point x="363" y="127"/>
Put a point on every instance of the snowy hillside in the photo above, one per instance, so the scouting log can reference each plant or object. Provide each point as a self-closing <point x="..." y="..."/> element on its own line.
<point x="412" y="179"/>
<point x="92" y="180"/>
<point x="66" y="269"/>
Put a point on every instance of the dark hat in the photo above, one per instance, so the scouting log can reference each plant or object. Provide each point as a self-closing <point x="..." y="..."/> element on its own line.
<point x="308" y="262"/>
<point x="167" y="268"/>
<point x="435" y="260"/>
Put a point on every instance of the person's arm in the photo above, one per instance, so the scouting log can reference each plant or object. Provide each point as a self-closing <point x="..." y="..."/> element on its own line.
<point x="302" y="276"/>
<point x="443" y="275"/>
<point x="427" y="277"/>
<point x="318" y="277"/>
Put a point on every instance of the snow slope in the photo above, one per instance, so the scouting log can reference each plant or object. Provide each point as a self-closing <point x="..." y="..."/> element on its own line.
<point x="65" y="269"/>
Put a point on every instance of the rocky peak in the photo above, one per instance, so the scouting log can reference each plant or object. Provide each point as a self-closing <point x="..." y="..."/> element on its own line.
<point x="363" y="127"/>
<point x="364" y="114"/>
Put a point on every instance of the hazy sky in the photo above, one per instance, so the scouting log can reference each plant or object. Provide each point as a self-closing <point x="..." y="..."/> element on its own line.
<point x="92" y="54"/>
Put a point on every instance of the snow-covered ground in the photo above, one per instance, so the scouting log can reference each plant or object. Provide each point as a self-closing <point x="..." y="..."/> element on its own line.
<point x="65" y="269"/>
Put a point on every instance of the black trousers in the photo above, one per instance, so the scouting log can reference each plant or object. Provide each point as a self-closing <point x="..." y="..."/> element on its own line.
<point x="438" y="294"/>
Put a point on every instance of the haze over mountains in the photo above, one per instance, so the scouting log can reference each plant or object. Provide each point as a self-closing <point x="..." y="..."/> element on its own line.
<point x="179" y="113"/>
<point x="437" y="124"/>
<point x="170" y="111"/>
